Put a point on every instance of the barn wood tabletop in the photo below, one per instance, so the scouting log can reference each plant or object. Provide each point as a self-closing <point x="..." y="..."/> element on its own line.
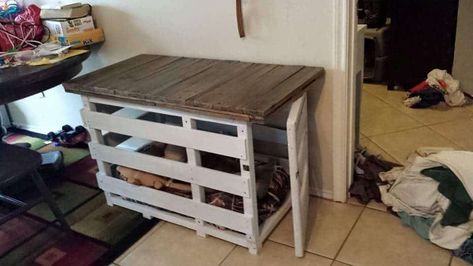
<point x="237" y="90"/>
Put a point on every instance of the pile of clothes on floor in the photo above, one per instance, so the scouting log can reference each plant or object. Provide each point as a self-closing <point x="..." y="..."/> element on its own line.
<point x="438" y="87"/>
<point x="432" y="194"/>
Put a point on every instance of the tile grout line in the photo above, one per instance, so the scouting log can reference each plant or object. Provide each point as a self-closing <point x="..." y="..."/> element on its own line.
<point x="411" y="115"/>
<point x="385" y="151"/>
<point x="349" y="233"/>
<point x="228" y="255"/>
<point x="447" y="138"/>
<point x="139" y="242"/>
<point x="305" y="250"/>
<point x="450" y="261"/>
<point x="394" y="132"/>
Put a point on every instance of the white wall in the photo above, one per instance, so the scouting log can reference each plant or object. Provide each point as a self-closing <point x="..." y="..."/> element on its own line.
<point x="282" y="31"/>
<point x="463" y="62"/>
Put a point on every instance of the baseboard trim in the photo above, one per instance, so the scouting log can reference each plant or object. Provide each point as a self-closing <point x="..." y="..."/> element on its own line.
<point x="29" y="128"/>
<point x="322" y="193"/>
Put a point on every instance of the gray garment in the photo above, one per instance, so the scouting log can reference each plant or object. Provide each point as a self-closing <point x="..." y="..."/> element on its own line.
<point x="420" y="224"/>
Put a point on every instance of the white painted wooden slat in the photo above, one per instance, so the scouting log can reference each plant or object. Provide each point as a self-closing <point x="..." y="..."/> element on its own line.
<point x="126" y="113"/>
<point x="206" y="212"/>
<point x="250" y="205"/>
<point x="195" y="139"/>
<point x="166" y="111"/>
<point x="206" y="177"/>
<point x="97" y="137"/>
<point x="298" y="163"/>
<point x="194" y="159"/>
<point x="181" y="220"/>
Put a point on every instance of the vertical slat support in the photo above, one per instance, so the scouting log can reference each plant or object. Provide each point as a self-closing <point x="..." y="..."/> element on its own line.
<point x="250" y="203"/>
<point x="97" y="137"/>
<point x="193" y="158"/>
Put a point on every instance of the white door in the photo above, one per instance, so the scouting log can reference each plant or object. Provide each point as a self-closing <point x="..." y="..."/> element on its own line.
<point x="298" y="146"/>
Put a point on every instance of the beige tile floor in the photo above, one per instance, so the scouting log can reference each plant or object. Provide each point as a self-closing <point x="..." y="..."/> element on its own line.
<point x="339" y="234"/>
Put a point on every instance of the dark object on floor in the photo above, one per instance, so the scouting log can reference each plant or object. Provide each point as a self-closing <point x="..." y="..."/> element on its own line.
<point x="23" y="145"/>
<point x="465" y="252"/>
<point x="422" y="38"/>
<point x="452" y="188"/>
<point x="365" y="183"/>
<point x="428" y="97"/>
<point x="17" y="163"/>
<point x="51" y="163"/>
<point x="70" y="137"/>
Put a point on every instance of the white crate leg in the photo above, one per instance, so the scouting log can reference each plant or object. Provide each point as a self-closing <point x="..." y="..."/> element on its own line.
<point x="97" y="137"/>
<point x="249" y="203"/>
<point x="193" y="158"/>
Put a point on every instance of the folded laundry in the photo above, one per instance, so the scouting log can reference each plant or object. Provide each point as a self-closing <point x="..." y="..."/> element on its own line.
<point x="408" y="190"/>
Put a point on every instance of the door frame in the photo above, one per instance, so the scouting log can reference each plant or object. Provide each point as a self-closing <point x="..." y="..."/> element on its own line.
<point x="344" y="97"/>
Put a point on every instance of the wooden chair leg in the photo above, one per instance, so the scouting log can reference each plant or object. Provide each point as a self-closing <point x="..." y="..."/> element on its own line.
<point x="48" y="198"/>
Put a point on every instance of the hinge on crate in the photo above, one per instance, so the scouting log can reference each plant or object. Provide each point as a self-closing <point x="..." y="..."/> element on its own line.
<point x="246" y="167"/>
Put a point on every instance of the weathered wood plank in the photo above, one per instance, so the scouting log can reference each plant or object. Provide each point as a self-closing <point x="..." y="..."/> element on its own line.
<point x="116" y="69"/>
<point x="123" y="83"/>
<point x="170" y="75"/>
<point x="219" y="73"/>
<point x="231" y="89"/>
<point x="291" y="88"/>
<point x="236" y="93"/>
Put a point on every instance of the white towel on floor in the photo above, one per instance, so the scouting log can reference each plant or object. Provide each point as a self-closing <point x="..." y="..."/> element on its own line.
<point x="411" y="192"/>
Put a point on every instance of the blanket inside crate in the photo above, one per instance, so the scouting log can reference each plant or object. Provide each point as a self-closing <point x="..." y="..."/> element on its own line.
<point x="272" y="181"/>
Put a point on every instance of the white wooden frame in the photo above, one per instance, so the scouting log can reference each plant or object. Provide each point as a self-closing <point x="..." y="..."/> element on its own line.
<point x="195" y="213"/>
<point x="344" y="76"/>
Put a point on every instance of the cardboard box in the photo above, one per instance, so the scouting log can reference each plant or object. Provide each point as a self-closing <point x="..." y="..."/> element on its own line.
<point x="66" y="12"/>
<point x="68" y="27"/>
<point x="83" y="39"/>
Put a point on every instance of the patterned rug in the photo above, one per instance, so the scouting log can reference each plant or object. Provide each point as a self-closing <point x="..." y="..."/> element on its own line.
<point x="99" y="234"/>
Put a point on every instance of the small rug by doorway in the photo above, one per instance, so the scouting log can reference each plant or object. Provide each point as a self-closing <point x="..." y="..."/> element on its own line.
<point x="99" y="234"/>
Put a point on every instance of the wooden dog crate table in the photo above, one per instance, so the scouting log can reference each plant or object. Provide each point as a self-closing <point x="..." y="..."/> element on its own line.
<point x="212" y="106"/>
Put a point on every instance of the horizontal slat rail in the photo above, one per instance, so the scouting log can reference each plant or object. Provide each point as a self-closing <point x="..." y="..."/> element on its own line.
<point x="127" y="113"/>
<point x="195" y="139"/>
<point x="166" y="111"/>
<point x="231" y="183"/>
<point x="188" y="207"/>
<point x="181" y="220"/>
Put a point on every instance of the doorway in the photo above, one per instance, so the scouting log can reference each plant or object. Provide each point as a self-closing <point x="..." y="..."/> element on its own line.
<point x="395" y="62"/>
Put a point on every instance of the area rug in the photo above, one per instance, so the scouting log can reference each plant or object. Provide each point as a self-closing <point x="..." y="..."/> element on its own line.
<point x="36" y="143"/>
<point x="99" y="233"/>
